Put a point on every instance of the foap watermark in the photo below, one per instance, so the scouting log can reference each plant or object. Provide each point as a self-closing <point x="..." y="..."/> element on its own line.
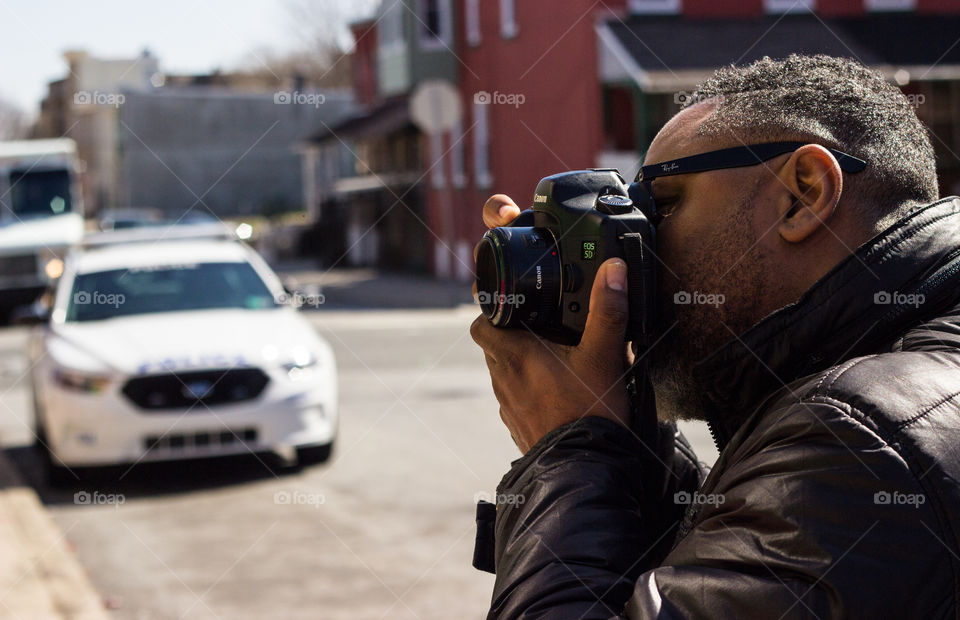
<point x="95" y="97"/>
<point x="286" y="97"/>
<point x="299" y="299"/>
<point x="514" y="300"/>
<point x="299" y="498"/>
<point x="96" y="298"/>
<point x="682" y="98"/>
<point x="896" y="97"/>
<point x="698" y="499"/>
<point x="509" y="499"/>
<point x="483" y="97"/>
<point x="895" y="298"/>
<point x="886" y="498"/>
<point x="86" y="498"/>
<point x="916" y="99"/>
<point x="696" y="298"/>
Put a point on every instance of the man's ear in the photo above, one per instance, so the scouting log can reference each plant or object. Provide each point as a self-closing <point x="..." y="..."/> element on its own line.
<point x="814" y="180"/>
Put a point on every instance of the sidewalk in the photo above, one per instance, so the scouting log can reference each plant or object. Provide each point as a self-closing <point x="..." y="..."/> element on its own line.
<point x="351" y="288"/>
<point x="40" y="578"/>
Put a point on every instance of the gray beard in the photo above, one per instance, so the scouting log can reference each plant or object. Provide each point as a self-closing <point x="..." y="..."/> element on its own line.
<point x="676" y="395"/>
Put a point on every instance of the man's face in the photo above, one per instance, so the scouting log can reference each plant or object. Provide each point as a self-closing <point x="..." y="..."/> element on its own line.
<point x="715" y="276"/>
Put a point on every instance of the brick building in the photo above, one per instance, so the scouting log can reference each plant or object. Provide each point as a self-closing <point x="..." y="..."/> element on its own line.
<point x="547" y="86"/>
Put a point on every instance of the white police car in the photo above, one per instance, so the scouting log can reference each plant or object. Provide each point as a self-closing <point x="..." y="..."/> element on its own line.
<point x="159" y="349"/>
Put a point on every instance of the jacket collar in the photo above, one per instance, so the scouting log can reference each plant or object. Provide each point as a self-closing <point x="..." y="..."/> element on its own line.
<point x="861" y="305"/>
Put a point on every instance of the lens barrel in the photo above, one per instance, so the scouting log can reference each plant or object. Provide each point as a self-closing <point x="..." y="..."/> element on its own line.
<point x="519" y="277"/>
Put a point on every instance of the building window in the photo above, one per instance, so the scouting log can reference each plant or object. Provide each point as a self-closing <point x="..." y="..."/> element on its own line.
<point x="473" y="21"/>
<point x="890" y="5"/>
<point x="390" y="28"/>
<point x="508" y="19"/>
<point x="464" y="264"/>
<point x="654" y="6"/>
<point x="481" y="145"/>
<point x="437" y="177"/>
<point x="435" y="24"/>
<point x="789" y="6"/>
<point x="457" y="175"/>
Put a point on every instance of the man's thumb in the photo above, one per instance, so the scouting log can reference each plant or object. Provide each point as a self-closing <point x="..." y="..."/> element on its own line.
<point x="607" y="319"/>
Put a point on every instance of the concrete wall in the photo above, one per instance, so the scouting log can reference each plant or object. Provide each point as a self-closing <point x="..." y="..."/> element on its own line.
<point x="238" y="152"/>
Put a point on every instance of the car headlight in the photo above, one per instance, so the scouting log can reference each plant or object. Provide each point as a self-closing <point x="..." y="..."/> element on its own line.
<point x="303" y="362"/>
<point x="52" y="263"/>
<point x="53" y="268"/>
<point x="80" y="381"/>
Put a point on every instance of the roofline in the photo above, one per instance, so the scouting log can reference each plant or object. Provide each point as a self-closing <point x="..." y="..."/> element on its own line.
<point x="214" y="231"/>
<point x="669" y="80"/>
<point x="621" y="54"/>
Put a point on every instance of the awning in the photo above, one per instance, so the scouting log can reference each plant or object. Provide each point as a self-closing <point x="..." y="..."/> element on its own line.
<point x="375" y="182"/>
<point x="390" y="117"/>
<point x="670" y="53"/>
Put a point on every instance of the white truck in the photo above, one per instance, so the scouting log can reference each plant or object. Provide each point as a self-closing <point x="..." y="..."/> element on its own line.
<point x="41" y="216"/>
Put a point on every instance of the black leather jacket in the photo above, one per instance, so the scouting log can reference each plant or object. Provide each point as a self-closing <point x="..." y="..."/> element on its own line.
<point x="837" y="490"/>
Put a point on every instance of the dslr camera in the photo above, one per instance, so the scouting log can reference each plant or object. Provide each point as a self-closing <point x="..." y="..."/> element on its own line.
<point x="537" y="272"/>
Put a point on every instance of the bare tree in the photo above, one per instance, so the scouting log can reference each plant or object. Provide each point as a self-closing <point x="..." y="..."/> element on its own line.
<point x="322" y="26"/>
<point x="320" y="56"/>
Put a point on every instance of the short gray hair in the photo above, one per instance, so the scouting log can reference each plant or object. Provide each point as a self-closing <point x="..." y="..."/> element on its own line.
<point x="838" y="103"/>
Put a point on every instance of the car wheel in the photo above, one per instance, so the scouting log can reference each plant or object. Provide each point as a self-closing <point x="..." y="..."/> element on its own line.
<point x="313" y="455"/>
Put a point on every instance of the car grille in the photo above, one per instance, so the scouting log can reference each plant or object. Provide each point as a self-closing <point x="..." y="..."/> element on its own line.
<point x="212" y="441"/>
<point x="187" y="389"/>
<point x="19" y="265"/>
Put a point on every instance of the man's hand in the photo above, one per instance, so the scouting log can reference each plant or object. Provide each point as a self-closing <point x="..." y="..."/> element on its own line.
<point x="542" y="385"/>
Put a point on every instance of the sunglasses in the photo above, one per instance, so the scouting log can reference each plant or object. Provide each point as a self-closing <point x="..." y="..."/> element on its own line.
<point x="735" y="157"/>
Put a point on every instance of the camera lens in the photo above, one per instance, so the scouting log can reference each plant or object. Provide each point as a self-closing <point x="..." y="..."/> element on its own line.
<point x="518" y="277"/>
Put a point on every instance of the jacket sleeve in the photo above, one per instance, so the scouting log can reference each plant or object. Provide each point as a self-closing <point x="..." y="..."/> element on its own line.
<point x="586" y="513"/>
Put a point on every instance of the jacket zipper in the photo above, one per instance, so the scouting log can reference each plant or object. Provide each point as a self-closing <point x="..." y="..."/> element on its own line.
<point x="927" y="285"/>
<point x="715" y="435"/>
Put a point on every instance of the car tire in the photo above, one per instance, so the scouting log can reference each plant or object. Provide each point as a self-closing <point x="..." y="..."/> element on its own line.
<point x="314" y="455"/>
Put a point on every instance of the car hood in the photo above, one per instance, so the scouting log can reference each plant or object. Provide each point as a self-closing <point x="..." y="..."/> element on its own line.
<point x="158" y="343"/>
<point x="52" y="232"/>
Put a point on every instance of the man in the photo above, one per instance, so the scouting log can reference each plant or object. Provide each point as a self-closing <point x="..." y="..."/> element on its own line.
<point x="826" y="360"/>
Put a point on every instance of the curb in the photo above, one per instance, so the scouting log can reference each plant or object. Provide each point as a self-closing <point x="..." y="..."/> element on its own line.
<point x="40" y="577"/>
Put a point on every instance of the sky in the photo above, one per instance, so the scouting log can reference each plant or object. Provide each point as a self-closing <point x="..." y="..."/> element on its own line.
<point x="187" y="36"/>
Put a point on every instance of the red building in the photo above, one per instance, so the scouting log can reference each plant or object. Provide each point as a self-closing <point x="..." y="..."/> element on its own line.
<point x="532" y="102"/>
<point x="549" y="86"/>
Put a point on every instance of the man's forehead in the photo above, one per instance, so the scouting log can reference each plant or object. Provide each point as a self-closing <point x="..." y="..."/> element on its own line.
<point x="679" y="138"/>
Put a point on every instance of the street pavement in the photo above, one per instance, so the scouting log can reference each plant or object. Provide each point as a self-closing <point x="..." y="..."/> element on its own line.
<point x="384" y="530"/>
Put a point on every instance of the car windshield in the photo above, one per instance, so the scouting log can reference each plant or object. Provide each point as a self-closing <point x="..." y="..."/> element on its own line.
<point x="40" y="192"/>
<point x="168" y="288"/>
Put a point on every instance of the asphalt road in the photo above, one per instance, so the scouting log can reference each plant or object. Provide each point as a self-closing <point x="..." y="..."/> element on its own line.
<point x="384" y="530"/>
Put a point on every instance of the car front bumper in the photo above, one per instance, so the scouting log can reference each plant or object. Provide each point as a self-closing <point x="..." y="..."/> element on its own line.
<point x="91" y="429"/>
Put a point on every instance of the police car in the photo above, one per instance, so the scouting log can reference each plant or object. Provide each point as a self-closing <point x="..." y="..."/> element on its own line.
<point x="173" y="348"/>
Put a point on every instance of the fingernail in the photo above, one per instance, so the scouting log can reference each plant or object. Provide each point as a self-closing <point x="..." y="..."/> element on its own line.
<point x="504" y="211"/>
<point x="617" y="275"/>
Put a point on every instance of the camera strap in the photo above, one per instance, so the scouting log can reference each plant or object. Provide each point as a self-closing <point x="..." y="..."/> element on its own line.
<point x="641" y="288"/>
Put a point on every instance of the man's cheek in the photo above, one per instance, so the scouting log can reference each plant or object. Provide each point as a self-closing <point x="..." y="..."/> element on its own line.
<point x="673" y="283"/>
<point x="668" y="281"/>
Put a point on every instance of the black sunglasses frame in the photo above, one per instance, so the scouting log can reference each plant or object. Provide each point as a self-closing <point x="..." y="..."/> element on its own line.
<point x="738" y="157"/>
<point x="734" y="157"/>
